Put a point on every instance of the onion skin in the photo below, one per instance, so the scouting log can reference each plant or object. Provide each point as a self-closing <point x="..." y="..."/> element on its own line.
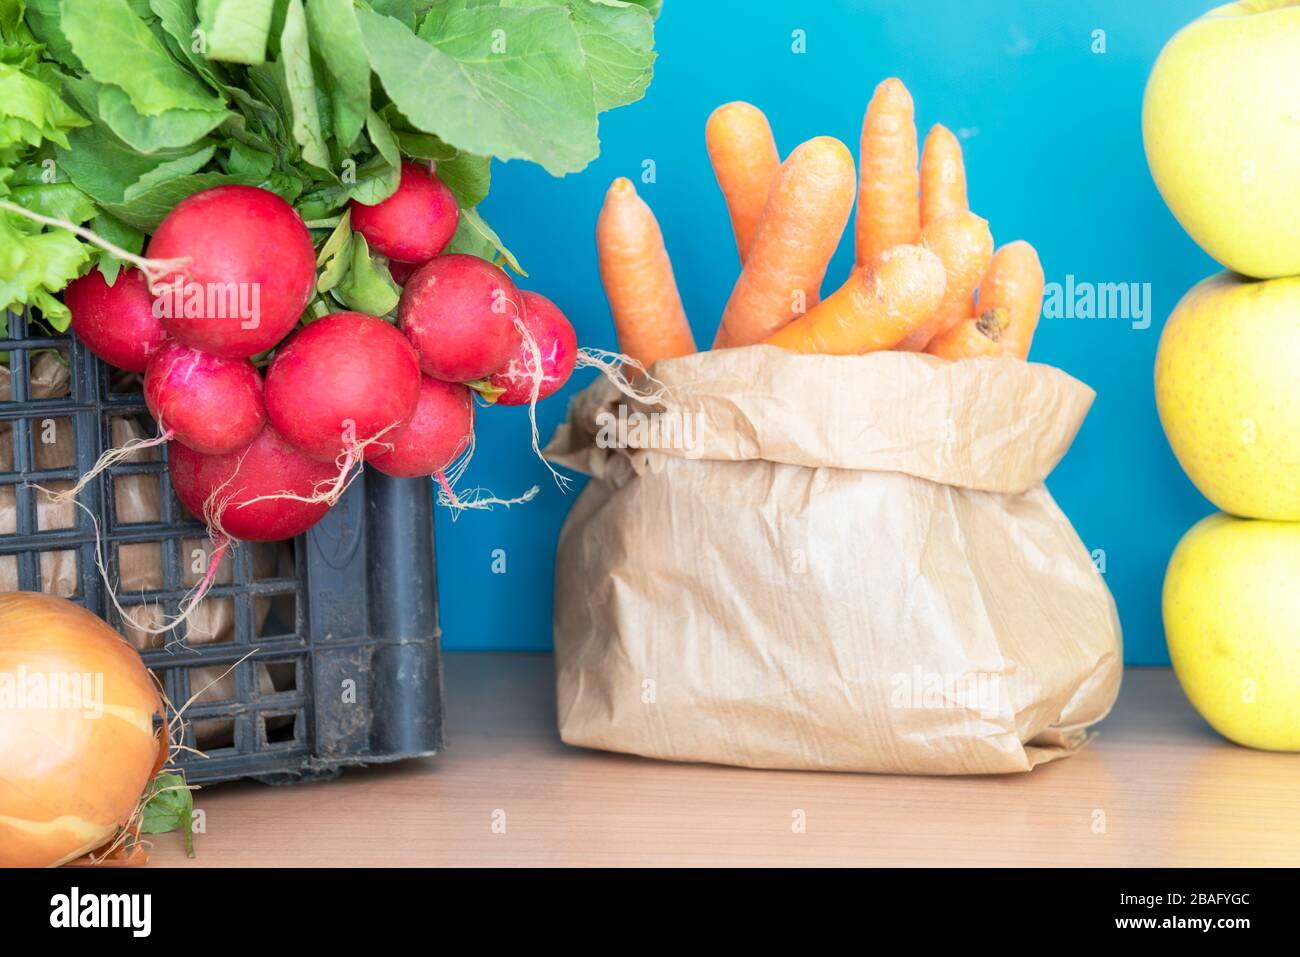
<point x="69" y="781"/>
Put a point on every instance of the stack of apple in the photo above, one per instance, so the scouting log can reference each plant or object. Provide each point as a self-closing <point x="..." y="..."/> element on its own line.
<point x="1221" y="124"/>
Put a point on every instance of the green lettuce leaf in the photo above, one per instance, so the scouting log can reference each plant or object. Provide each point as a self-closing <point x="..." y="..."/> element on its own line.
<point x="476" y="237"/>
<point x="119" y="234"/>
<point x="146" y="208"/>
<point x="652" y="7"/>
<point x="36" y="265"/>
<point x="506" y="83"/>
<point x="179" y="22"/>
<point x="367" y="286"/>
<point x="169" y="170"/>
<point x="42" y="19"/>
<point x="617" y="40"/>
<point x="105" y="168"/>
<point x="336" y="39"/>
<point x="403" y="10"/>
<point x="377" y="178"/>
<point x="117" y="48"/>
<point x="169" y="806"/>
<point x="246" y="160"/>
<point x="467" y="176"/>
<point x="55" y="200"/>
<point x="336" y="267"/>
<point x="300" y="85"/>
<point x="31" y="112"/>
<point x="236" y="30"/>
<point x="172" y="129"/>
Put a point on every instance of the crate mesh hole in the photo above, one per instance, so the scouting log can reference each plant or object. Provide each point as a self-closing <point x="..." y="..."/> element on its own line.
<point x="41" y="373"/>
<point x="141" y="623"/>
<point x="213" y="735"/>
<point x="277" y="617"/>
<point x="271" y="560"/>
<point x="7" y="384"/>
<point x="137" y="499"/>
<point x="54" y="442"/>
<point x="8" y="509"/>
<point x="59" y="574"/>
<point x="279" y="729"/>
<point x="133" y="424"/>
<point x="283" y="676"/>
<point x="210" y="685"/>
<point x="196" y="557"/>
<point x="212" y="623"/>
<point x="52" y="516"/>
<point x="51" y="370"/>
<point x="140" y="568"/>
<point x="124" y="383"/>
<point x="8" y="489"/>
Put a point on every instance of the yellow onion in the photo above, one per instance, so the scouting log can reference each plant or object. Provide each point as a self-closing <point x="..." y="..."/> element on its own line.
<point x="77" y="743"/>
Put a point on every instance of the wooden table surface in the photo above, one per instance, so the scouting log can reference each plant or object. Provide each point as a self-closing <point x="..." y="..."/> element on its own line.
<point x="1156" y="787"/>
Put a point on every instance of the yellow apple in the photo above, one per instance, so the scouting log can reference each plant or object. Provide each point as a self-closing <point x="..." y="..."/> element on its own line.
<point x="1232" y="620"/>
<point x="1221" y="124"/>
<point x="1228" y="392"/>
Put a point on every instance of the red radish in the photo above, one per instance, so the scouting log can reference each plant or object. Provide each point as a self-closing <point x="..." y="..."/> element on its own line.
<point x="117" y="322"/>
<point x="342" y="382"/>
<point x="264" y="493"/>
<point x="251" y="270"/>
<point x="401" y="271"/>
<point x="459" y="312"/>
<point x="442" y="428"/>
<point x="558" y="345"/>
<point x="211" y="404"/>
<point x="415" y="223"/>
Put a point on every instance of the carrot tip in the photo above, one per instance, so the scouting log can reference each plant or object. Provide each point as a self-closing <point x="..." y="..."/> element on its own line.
<point x="735" y="106"/>
<point x="893" y="86"/>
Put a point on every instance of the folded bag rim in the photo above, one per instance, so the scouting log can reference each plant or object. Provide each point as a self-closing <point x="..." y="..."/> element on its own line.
<point x="989" y="424"/>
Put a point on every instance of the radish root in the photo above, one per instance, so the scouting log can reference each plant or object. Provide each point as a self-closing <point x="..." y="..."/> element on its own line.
<point x="106" y="461"/>
<point x="611" y="364"/>
<point x="537" y="374"/>
<point x="475" y="498"/>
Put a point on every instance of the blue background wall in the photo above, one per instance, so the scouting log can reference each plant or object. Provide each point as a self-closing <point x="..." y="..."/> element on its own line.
<point x="1053" y="146"/>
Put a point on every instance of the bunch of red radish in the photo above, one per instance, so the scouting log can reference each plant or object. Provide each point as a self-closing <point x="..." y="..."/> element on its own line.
<point x="262" y="458"/>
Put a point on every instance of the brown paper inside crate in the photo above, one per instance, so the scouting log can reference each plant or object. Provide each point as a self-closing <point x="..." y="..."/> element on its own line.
<point x="839" y="563"/>
<point x="140" y="566"/>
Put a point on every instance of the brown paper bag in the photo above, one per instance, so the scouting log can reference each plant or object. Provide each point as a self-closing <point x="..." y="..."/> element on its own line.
<point x="838" y="563"/>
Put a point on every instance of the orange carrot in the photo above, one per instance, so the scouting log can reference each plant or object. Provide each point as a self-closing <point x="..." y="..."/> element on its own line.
<point x="804" y="216"/>
<point x="964" y="245"/>
<point x="744" y="159"/>
<point x="971" y="338"/>
<point x="1015" y="281"/>
<point x="943" y="176"/>
<point x="889" y="210"/>
<point x="878" y="306"/>
<point x="638" y="279"/>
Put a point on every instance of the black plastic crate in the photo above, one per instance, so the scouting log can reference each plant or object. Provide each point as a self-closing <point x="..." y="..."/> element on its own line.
<point x="338" y="631"/>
